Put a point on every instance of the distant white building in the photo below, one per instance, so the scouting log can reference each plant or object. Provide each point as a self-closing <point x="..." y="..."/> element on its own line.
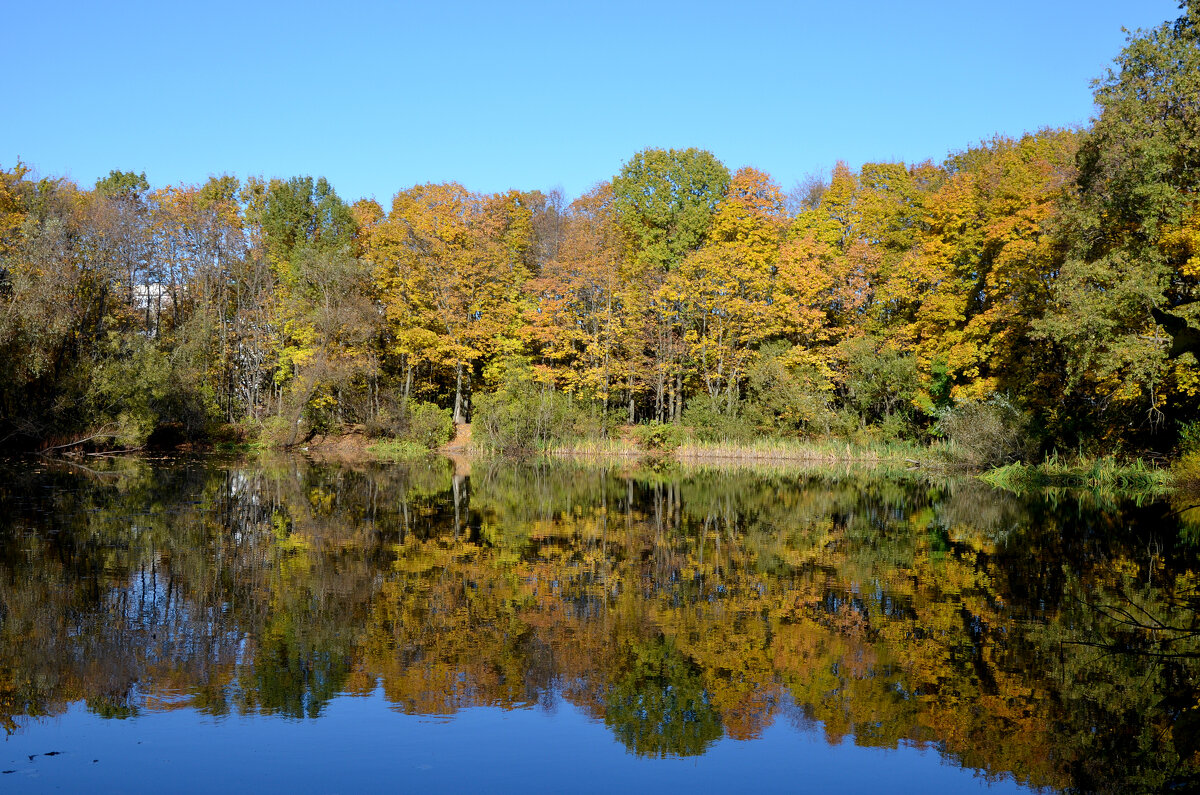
<point x="154" y="296"/>
<point x="151" y="301"/>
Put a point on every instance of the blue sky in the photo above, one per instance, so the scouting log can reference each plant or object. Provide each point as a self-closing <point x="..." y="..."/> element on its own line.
<point x="379" y="96"/>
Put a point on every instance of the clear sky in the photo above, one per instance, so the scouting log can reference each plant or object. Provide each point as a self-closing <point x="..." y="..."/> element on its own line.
<point x="378" y="96"/>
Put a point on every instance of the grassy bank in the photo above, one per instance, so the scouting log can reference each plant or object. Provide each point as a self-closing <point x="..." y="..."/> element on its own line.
<point x="658" y="445"/>
<point x="830" y="451"/>
<point x="752" y="452"/>
<point x="397" y="450"/>
<point x="654" y="446"/>
<point x="1105" y="473"/>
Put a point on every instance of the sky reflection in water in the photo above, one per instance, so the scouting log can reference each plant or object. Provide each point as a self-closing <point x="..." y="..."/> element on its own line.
<point x="359" y="744"/>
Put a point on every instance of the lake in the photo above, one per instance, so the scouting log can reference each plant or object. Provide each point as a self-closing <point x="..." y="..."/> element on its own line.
<point x="217" y="623"/>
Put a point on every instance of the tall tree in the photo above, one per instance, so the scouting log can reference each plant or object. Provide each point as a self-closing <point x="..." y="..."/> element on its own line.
<point x="665" y="200"/>
<point x="721" y="296"/>
<point x="576" y="326"/>
<point x="1139" y="173"/>
<point x="449" y="264"/>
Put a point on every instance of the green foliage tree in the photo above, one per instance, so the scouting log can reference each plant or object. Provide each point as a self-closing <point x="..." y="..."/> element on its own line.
<point x="665" y="199"/>
<point x="880" y="383"/>
<point x="124" y="185"/>
<point x="299" y="213"/>
<point x="1131" y="236"/>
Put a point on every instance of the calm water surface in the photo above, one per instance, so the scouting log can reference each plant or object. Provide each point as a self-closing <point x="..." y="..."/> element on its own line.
<point x="204" y="624"/>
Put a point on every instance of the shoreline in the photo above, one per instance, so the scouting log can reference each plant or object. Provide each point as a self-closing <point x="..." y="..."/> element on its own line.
<point x="354" y="446"/>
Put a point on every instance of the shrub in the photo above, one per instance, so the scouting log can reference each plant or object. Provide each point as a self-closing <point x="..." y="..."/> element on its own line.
<point x="423" y="424"/>
<point x="275" y="431"/>
<point x="1189" y="438"/>
<point x="429" y="426"/>
<point x="658" y="437"/>
<point x="843" y="424"/>
<point x="709" y="424"/>
<point x="787" y="393"/>
<point x="988" y="433"/>
<point x="129" y="388"/>
<point x="880" y="384"/>
<point x="525" y="416"/>
<point x="894" y="427"/>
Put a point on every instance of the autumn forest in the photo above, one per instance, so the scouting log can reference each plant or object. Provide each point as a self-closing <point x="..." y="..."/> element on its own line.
<point x="1048" y="279"/>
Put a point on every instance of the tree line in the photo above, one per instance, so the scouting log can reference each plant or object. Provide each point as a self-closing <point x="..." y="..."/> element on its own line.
<point x="1021" y="272"/>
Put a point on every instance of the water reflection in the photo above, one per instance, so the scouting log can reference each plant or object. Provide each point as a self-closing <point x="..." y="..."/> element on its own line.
<point x="1052" y="638"/>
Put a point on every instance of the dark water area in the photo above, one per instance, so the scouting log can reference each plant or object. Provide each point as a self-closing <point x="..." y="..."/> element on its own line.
<point x="218" y="623"/>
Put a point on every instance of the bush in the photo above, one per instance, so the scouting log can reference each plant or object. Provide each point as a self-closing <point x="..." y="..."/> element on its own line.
<point x="274" y="430"/>
<point x="428" y="425"/>
<point x="422" y="424"/>
<point x="988" y="433"/>
<point x="894" y="427"/>
<point x="786" y="392"/>
<point x="1189" y="438"/>
<point x="658" y="437"/>
<point x="709" y="424"/>
<point x="525" y="416"/>
<point x="880" y="384"/>
<point x="129" y="388"/>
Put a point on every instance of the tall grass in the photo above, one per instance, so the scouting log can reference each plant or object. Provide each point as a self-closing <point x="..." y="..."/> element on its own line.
<point x="596" y="447"/>
<point x="1099" y="474"/>
<point x="766" y="450"/>
<point x="1105" y="473"/>
<point x="398" y="450"/>
<point x="814" y="450"/>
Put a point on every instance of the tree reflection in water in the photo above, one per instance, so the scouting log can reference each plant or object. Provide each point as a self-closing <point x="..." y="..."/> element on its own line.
<point x="1052" y="637"/>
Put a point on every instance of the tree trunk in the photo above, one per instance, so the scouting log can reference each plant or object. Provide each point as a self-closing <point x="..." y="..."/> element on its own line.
<point x="678" y="413"/>
<point x="632" y="416"/>
<point x="458" y="395"/>
<point x="659" y="389"/>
